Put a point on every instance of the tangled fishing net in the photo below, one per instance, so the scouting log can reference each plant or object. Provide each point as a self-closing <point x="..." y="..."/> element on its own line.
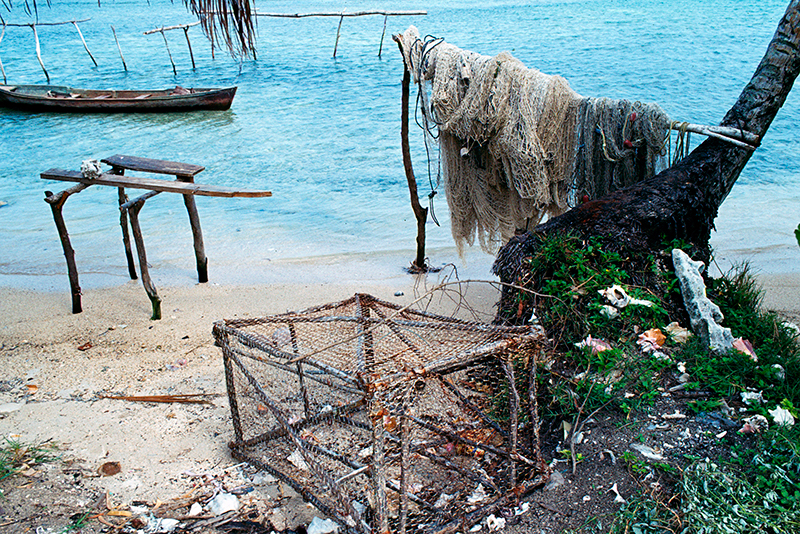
<point x="517" y="145"/>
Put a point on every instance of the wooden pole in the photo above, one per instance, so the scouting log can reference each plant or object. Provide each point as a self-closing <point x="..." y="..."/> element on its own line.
<point x="420" y="213"/>
<point x="39" y="51"/>
<point x="135" y="206"/>
<point x="84" y="42"/>
<point x="174" y="70"/>
<point x="189" y="44"/>
<point x="338" y="31"/>
<point x="1" y="62"/>
<point x="124" y="66"/>
<point x="383" y="34"/>
<point x="175" y="27"/>
<point x="122" y="198"/>
<point x="197" y="234"/>
<point x="56" y="203"/>
<point x="340" y="14"/>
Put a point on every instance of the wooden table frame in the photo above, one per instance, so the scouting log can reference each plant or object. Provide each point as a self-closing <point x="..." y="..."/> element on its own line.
<point x="129" y="211"/>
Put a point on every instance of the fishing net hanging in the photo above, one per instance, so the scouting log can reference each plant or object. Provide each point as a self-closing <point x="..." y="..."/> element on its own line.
<point x="517" y="145"/>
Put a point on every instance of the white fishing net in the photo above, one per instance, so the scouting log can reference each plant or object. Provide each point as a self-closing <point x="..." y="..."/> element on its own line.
<point x="511" y="138"/>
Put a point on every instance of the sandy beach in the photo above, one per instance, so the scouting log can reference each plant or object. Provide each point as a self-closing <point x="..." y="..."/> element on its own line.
<point x="57" y="366"/>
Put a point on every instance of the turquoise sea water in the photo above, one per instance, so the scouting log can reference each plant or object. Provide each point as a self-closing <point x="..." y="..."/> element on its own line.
<point x="323" y="133"/>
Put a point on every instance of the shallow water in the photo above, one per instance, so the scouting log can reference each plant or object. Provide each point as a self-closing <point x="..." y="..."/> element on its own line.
<point x="323" y="133"/>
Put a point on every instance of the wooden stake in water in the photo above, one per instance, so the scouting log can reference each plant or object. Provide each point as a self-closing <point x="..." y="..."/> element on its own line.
<point x="338" y="31"/>
<point x="84" y="42"/>
<point x="1" y="62"/>
<point x="39" y="51"/>
<point x="120" y="49"/>
<point x="174" y="70"/>
<point x="189" y="44"/>
<point x="383" y="34"/>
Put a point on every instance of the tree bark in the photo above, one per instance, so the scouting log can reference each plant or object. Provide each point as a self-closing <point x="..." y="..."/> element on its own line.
<point x="682" y="201"/>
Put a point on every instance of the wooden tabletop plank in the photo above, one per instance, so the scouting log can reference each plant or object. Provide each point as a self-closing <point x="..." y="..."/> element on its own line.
<point x="158" y="166"/>
<point x="153" y="184"/>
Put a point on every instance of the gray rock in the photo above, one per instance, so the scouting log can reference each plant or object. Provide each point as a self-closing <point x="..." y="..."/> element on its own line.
<point x="703" y="314"/>
<point x="556" y="481"/>
<point x="9" y="407"/>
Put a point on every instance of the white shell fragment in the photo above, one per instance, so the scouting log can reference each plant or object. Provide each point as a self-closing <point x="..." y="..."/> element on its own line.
<point x="297" y="460"/>
<point x="782" y="416"/>
<point x="322" y="526"/>
<point x="223" y="502"/>
<point x="90" y="168"/>
<point x="620" y="299"/>
<point x="479" y="495"/>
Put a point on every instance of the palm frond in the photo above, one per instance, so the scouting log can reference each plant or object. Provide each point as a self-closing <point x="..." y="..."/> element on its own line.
<point x="231" y="23"/>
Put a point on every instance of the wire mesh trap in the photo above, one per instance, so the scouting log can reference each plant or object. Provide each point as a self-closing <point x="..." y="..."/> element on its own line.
<point x="386" y="419"/>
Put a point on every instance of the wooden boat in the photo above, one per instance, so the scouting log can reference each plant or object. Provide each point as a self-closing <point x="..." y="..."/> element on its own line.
<point x="68" y="99"/>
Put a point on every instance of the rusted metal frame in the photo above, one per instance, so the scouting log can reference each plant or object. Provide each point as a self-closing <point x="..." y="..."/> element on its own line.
<point x="326" y="381"/>
<point x="422" y="450"/>
<point x="457" y="326"/>
<point x="471" y="406"/>
<point x="467" y="441"/>
<point x="405" y="461"/>
<point x="301" y="444"/>
<point x="363" y="353"/>
<point x="56" y="202"/>
<point x="513" y="412"/>
<point x="227" y="358"/>
<point x="307" y="495"/>
<point x="337" y="413"/>
<point x="133" y="207"/>
<point x="533" y="407"/>
<point x="399" y="333"/>
<point x="253" y="341"/>
<point x="300" y="377"/>
<point x="378" y="466"/>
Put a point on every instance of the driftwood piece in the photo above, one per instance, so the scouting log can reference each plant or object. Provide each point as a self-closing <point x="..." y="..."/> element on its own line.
<point x="197" y="235"/>
<point x="147" y="282"/>
<point x="420" y="213"/>
<point x="56" y="204"/>
<point x="39" y="52"/>
<point x="119" y="48"/>
<point x="80" y="34"/>
<point x="2" y="69"/>
<point x="681" y="202"/>
<point x="167" y="186"/>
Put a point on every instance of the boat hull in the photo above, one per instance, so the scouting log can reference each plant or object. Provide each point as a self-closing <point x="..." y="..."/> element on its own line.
<point x="67" y="99"/>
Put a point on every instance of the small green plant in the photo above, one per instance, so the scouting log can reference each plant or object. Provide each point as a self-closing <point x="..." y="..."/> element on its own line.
<point x="703" y="405"/>
<point x="14" y="455"/>
<point x="636" y="466"/>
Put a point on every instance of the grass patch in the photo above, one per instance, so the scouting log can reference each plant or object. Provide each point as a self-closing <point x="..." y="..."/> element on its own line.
<point x="16" y="456"/>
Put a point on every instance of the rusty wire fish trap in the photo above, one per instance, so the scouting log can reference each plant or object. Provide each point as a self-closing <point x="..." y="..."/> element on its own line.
<point x="386" y="419"/>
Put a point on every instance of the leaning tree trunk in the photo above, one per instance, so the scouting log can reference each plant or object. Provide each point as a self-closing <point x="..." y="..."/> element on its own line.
<point x="682" y="201"/>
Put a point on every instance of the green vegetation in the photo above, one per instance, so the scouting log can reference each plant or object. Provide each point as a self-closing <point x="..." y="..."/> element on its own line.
<point x="748" y="490"/>
<point x="16" y="456"/>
